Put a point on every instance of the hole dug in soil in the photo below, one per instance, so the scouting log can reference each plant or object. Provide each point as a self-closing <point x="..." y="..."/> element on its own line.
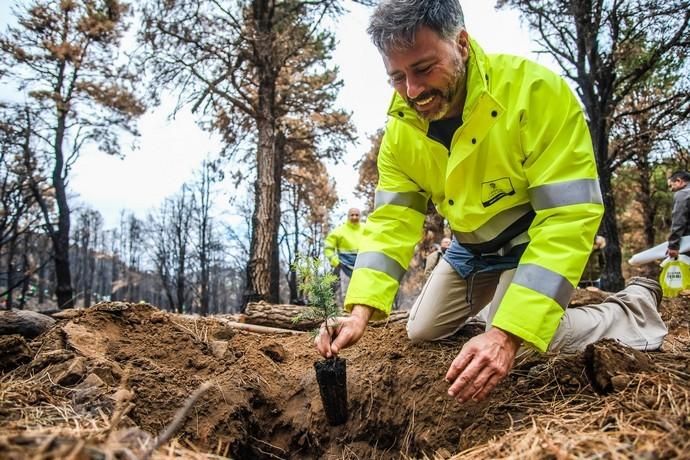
<point x="125" y="370"/>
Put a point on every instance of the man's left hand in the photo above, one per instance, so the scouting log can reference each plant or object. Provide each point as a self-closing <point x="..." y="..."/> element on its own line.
<point x="483" y="362"/>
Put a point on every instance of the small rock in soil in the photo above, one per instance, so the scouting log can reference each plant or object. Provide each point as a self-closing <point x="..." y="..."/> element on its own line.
<point x="275" y="351"/>
<point x="218" y="348"/>
<point x="75" y="373"/>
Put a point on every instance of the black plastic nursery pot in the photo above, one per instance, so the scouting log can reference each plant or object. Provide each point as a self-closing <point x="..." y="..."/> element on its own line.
<point x="331" y="374"/>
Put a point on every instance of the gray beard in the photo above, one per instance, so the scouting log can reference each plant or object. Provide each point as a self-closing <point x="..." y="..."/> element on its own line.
<point x="448" y="95"/>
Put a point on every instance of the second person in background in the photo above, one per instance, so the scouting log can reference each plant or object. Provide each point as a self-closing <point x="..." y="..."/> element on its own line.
<point x="340" y="248"/>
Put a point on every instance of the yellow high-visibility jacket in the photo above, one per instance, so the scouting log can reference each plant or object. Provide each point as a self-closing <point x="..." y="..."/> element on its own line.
<point x="342" y="243"/>
<point x="520" y="171"/>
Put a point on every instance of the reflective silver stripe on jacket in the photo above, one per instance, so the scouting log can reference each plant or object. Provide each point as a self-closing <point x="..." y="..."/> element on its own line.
<point x="412" y="200"/>
<point x="578" y="191"/>
<point x="380" y="262"/>
<point x="544" y="281"/>
<point x="495" y="226"/>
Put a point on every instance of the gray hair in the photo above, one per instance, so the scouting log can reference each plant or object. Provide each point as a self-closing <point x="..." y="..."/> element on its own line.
<point x="393" y="23"/>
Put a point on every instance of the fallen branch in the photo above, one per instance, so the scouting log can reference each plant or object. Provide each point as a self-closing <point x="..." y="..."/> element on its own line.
<point x="394" y="317"/>
<point x="29" y="324"/>
<point x="278" y="315"/>
<point x="260" y="329"/>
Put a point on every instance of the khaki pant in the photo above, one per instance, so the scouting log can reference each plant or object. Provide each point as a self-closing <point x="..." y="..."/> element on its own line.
<point x="447" y="301"/>
<point x="343" y="284"/>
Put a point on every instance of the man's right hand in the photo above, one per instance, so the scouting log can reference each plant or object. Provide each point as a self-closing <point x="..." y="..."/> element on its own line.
<point x="343" y="331"/>
<point x="672" y="253"/>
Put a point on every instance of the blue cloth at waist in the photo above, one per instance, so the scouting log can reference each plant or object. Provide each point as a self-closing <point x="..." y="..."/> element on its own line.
<point x="347" y="262"/>
<point x="467" y="263"/>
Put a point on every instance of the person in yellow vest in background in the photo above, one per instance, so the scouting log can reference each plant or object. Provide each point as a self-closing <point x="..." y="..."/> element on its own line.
<point x="435" y="256"/>
<point x="341" y="246"/>
<point x="501" y="147"/>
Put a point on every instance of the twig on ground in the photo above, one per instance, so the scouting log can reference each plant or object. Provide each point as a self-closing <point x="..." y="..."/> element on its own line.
<point x="177" y="421"/>
<point x="261" y="329"/>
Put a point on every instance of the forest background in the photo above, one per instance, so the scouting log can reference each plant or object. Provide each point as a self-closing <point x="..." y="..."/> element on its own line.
<point x="260" y="79"/>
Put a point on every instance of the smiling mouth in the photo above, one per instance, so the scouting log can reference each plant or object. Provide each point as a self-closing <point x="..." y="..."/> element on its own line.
<point x="424" y="102"/>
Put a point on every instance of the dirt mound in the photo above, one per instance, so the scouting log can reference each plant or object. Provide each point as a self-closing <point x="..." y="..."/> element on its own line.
<point x="120" y="373"/>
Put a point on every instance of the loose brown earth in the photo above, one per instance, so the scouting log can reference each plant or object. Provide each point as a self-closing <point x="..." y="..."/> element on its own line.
<point x="111" y="378"/>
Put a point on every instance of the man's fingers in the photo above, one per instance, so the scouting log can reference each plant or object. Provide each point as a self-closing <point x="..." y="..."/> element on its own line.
<point x="337" y="344"/>
<point x="338" y="334"/>
<point x="474" y="386"/>
<point x="488" y="387"/>
<point x="343" y="337"/>
<point x="458" y="365"/>
<point x="328" y="337"/>
<point x="323" y="341"/>
<point x="333" y="325"/>
<point x="323" y="351"/>
<point x="467" y="377"/>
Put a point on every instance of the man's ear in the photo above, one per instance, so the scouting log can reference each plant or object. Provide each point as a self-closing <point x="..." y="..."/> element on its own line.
<point x="463" y="43"/>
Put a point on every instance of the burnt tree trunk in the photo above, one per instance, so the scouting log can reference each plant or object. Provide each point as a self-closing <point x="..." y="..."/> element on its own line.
<point x="60" y="236"/>
<point x="41" y="285"/>
<point x="293" y="285"/>
<point x="262" y="282"/>
<point x="644" y="197"/>
<point x="11" y="281"/>
<point x="263" y="274"/>
<point x="27" y="273"/>
<point x="263" y="262"/>
<point x="90" y="275"/>
<point x="596" y="89"/>
<point x="611" y="275"/>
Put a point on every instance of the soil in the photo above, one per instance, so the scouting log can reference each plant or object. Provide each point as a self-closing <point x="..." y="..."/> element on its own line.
<point x="130" y="368"/>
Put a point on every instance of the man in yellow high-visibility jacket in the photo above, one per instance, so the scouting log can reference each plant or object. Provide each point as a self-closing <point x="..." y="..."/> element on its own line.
<point x="341" y="246"/>
<point x="501" y="147"/>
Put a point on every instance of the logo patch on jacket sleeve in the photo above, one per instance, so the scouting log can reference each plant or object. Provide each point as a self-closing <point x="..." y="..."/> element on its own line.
<point x="494" y="190"/>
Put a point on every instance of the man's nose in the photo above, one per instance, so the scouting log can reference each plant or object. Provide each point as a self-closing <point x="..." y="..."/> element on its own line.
<point x="414" y="87"/>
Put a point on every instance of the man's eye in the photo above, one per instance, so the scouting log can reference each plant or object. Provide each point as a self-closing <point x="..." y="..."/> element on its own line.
<point x="396" y="79"/>
<point x="423" y="70"/>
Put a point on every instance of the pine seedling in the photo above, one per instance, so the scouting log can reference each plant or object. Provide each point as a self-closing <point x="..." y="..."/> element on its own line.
<point x="331" y="373"/>
<point x="316" y="282"/>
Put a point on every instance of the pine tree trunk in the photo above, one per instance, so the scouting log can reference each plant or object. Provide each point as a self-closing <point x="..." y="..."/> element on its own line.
<point x="611" y="276"/>
<point x="60" y="237"/>
<point x="263" y="267"/>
